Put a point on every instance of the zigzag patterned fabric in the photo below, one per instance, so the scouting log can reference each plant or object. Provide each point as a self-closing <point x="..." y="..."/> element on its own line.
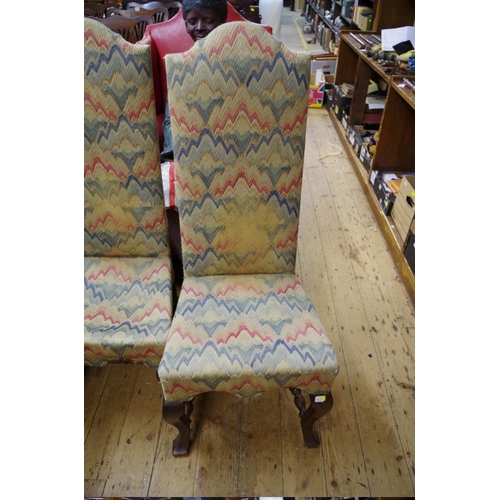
<point x="238" y="126"/>
<point x="124" y="201"/>
<point x="128" y="286"/>
<point x="245" y="334"/>
<point x="128" y="309"/>
<point x="243" y="323"/>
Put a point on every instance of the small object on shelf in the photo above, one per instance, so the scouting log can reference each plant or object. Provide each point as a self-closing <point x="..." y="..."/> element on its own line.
<point x="365" y="22"/>
<point x="367" y="42"/>
<point x="409" y="84"/>
<point x="347" y="89"/>
<point x="403" y="212"/>
<point x="339" y="22"/>
<point x="406" y="56"/>
<point x="361" y="42"/>
<point x="394" y="36"/>
<point x="403" y="47"/>
<point x="409" y="251"/>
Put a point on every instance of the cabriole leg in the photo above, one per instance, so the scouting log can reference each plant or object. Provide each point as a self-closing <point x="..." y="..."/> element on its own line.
<point x="320" y="405"/>
<point x="178" y="415"/>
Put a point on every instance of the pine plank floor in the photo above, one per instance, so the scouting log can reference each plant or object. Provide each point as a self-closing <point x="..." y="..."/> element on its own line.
<point x="254" y="447"/>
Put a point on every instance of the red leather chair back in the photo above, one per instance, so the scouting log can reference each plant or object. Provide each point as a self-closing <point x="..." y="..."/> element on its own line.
<point x="171" y="37"/>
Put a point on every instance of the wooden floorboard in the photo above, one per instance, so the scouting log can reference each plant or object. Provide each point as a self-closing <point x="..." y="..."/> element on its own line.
<point x="394" y="358"/>
<point x="254" y="447"/>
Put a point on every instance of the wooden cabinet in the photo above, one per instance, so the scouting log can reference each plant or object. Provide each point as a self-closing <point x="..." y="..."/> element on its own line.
<point x="395" y="150"/>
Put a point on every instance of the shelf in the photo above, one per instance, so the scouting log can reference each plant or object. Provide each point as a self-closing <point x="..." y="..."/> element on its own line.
<point x="386" y="14"/>
<point x="395" y="149"/>
<point x="385" y="223"/>
<point x="322" y="16"/>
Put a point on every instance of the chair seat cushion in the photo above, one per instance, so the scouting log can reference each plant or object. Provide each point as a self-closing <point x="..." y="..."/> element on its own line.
<point x="245" y="334"/>
<point x="128" y="309"/>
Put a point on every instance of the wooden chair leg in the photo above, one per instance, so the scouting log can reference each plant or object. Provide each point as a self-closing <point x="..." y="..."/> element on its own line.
<point x="320" y="405"/>
<point x="178" y="415"/>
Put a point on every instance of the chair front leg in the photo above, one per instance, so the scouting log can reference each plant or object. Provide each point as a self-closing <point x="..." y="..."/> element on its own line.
<point x="320" y="405"/>
<point x="178" y="415"/>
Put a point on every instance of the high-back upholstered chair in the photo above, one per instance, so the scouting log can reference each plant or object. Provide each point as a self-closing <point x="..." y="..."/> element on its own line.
<point x="243" y="323"/>
<point x="128" y="285"/>
<point x="171" y="37"/>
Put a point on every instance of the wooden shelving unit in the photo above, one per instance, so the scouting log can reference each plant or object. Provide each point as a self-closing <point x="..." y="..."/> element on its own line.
<point x="395" y="150"/>
<point x="386" y="14"/>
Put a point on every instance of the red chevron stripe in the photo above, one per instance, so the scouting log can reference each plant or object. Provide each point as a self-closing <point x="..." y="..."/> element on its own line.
<point x="141" y="173"/>
<point x="156" y="271"/>
<point x="181" y="120"/>
<point x="292" y="239"/>
<point x="102" y="314"/>
<point x="242" y="329"/>
<point x="157" y="307"/>
<point x="313" y="378"/>
<point x="229" y="40"/>
<point x="234" y="288"/>
<point x="90" y="35"/>
<point x="303" y="332"/>
<point x="97" y="162"/>
<point x="189" y="242"/>
<point x="143" y="106"/>
<point x="187" y="389"/>
<point x="145" y="354"/>
<point x="103" y="272"/>
<point x="294" y="184"/>
<point x="183" y="335"/>
<point x="195" y="389"/>
<point x="241" y="175"/>
<point x="233" y="117"/>
<point x="111" y="269"/>
<point x="103" y="220"/>
<point x="247" y="382"/>
<point x="299" y="120"/>
<point x="192" y="291"/>
<point x="296" y="284"/>
<point x="187" y="188"/>
<point x="157" y="221"/>
<point x="237" y="387"/>
<point x="99" y="107"/>
<point x="140" y="355"/>
<point x="150" y="169"/>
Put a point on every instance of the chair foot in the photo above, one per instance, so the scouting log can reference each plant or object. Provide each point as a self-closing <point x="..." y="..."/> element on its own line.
<point x="178" y="415"/>
<point x="320" y="405"/>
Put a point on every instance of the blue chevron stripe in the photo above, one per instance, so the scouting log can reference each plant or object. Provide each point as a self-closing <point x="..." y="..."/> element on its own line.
<point x="188" y="207"/>
<point x="93" y="61"/>
<point x="257" y="356"/>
